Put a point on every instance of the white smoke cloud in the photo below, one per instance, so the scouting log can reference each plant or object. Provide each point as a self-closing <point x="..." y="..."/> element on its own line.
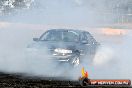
<point x="103" y="56"/>
<point x="109" y="57"/>
<point x="111" y="60"/>
<point x="79" y="2"/>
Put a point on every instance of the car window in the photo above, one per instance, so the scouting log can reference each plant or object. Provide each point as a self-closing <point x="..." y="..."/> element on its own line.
<point x="83" y="37"/>
<point x="90" y="38"/>
<point x="51" y="36"/>
<point x="70" y="37"/>
<point x="67" y="36"/>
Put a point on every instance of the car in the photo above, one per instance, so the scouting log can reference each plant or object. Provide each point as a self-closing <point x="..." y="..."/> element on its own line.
<point x="66" y="45"/>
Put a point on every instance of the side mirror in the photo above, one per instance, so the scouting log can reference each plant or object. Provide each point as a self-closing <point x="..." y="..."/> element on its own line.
<point x="84" y="41"/>
<point x="35" y="39"/>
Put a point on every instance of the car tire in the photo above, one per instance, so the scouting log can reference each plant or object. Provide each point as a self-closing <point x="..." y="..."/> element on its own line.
<point x="76" y="61"/>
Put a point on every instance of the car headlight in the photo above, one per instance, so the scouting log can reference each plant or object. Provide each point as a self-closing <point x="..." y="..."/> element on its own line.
<point x="58" y="50"/>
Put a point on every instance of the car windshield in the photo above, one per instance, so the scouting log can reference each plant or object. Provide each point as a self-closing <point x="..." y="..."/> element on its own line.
<point x="68" y="36"/>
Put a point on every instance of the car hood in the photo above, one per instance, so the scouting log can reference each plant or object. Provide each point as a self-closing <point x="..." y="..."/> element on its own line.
<point x="53" y="45"/>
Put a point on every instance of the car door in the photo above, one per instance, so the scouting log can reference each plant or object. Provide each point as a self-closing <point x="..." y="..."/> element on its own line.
<point x="85" y="45"/>
<point x="92" y="43"/>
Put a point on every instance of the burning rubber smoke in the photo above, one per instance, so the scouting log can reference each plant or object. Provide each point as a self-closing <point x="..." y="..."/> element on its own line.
<point x="112" y="60"/>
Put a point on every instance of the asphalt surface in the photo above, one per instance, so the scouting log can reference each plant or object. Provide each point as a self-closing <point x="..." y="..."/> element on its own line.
<point x="19" y="81"/>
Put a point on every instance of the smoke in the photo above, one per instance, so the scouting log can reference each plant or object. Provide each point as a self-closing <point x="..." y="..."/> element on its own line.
<point x="16" y="58"/>
<point x="112" y="60"/>
<point x="103" y="56"/>
<point x="78" y="12"/>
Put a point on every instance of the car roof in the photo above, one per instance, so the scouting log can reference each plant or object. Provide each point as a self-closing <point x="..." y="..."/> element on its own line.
<point x="63" y="30"/>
